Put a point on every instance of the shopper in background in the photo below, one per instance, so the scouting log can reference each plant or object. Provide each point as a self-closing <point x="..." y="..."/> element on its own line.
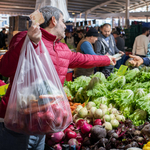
<point x="105" y="45"/>
<point x="85" y="47"/>
<point x="120" y="43"/>
<point x="79" y="37"/>
<point x="3" y="37"/>
<point x="70" y="40"/>
<point x="50" y="32"/>
<point x="140" y="45"/>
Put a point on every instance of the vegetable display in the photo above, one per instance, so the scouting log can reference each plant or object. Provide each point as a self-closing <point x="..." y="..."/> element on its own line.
<point x="114" y="114"/>
<point x="127" y="93"/>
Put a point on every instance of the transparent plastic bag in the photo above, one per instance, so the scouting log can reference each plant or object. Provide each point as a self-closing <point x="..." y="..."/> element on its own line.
<point x="60" y="4"/>
<point x="37" y="102"/>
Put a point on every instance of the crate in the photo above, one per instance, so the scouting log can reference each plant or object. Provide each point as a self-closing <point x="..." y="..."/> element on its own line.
<point x="11" y="24"/>
<point x="22" y="23"/>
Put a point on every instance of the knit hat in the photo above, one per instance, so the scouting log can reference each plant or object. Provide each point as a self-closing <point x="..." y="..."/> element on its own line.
<point x="92" y="32"/>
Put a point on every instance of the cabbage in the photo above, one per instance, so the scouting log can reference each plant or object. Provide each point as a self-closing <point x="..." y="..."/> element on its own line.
<point x="121" y="97"/>
<point x="143" y="76"/>
<point x="95" y="88"/>
<point x="118" y="82"/>
<point x="126" y="110"/>
<point x="68" y="92"/>
<point x="100" y="75"/>
<point x="138" y="117"/>
<point x="140" y="92"/>
<point x="130" y="75"/>
<point x="112" y="76"/>
<point x="81" y="81"/>
<point x="144" y="103"/>
<point x="100" y="100"/>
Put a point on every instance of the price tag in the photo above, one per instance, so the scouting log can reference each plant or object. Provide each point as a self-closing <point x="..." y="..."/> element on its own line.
<point x="122" y="70"/>
<point x="3" y="89"/>
<point x="37" y="17"/>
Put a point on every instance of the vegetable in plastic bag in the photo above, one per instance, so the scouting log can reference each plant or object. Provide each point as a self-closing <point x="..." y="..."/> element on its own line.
<point x="37" y="102"/>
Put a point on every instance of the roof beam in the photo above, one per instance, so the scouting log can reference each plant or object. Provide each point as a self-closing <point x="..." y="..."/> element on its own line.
<point x="137" y="6"/>
<point x="16" y="7"/>
<point x="107" y="10"/>
<point x="102" y="4"/>
<point x="120" y="3"/>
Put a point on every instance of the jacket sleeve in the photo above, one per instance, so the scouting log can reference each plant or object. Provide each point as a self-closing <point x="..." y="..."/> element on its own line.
<point x="98" y="47"/>
<point x="146" y="61"/>
<point x="78" y="60"/>
<point x="134" y="48"/>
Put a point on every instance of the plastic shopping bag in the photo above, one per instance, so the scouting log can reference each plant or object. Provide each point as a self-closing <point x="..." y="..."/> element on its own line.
<point x="60" y="4"/>
<point x="37" y="102"/>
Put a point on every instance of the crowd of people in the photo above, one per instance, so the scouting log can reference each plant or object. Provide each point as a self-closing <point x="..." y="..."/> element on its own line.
<point x="97" y="42"/>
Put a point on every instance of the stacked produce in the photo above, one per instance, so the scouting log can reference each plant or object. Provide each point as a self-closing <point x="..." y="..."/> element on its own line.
<point x="128" y="93"/>
<point x="115" y="113"/>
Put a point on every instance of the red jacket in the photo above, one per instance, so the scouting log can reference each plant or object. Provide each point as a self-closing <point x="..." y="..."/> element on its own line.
<point x="60" y="54"/>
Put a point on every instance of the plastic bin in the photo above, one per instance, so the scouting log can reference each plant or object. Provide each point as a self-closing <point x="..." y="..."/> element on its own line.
<point x="69" y="75"/>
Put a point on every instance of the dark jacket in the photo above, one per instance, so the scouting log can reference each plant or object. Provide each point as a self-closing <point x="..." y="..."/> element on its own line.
<point x="102" y="48"/>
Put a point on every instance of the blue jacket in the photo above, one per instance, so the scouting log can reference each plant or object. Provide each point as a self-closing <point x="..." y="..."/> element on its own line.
<point x="146" y="61"/>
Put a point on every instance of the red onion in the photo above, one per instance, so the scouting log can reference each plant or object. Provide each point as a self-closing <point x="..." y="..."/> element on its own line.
<point x="79" y="123"/>
<point x="71" y="134"/>
<point x="57" y="137"/>
<point x="57" y="147"/>
<point x="86" y="128"/>
<point x="97" y="122"/>
<point x="71" y="127"/>
<point x="79" y="137"/>
<point x="66" y="130"/>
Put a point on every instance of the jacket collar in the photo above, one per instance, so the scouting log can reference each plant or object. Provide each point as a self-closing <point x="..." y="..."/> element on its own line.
<point x="48" y="36"/>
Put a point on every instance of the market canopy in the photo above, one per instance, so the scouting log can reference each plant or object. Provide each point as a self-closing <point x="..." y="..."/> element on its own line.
<point x="94" y="9"/>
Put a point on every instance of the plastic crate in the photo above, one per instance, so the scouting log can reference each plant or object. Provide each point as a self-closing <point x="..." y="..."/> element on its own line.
<point x="69" y="76"/>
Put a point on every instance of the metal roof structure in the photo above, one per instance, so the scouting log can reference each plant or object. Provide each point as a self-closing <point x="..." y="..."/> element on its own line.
<point x="94" y="9"/>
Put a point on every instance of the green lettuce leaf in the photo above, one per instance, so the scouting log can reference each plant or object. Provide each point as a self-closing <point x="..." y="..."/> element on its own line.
<point x="100" y="75"/>
<point x="130" y="75"/>
<point x="138" y="117"/>
<point x="117" y="83"/>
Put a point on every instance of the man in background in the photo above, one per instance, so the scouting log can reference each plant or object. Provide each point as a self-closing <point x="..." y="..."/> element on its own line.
<point x="105" y="45"/>
<point x="120" y="43"/>
<point x="3" y="37"/>
<point x="140" y="45"/>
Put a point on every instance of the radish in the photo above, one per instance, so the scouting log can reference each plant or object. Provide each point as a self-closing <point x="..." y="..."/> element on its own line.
<point x="71" y="134"/>
<point x="79" y="137"/>
<point x="71" y="127"/>
<point x="57" y="137"/>
<point x="86" y="128"/>
<point x="82" y="113"/>
<point x="79" y="123"/>
<point x="66" y="130"/>
<point x="57" y="110"/>
<point x="97" y="122"/>
<point x="58" y="121"/>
